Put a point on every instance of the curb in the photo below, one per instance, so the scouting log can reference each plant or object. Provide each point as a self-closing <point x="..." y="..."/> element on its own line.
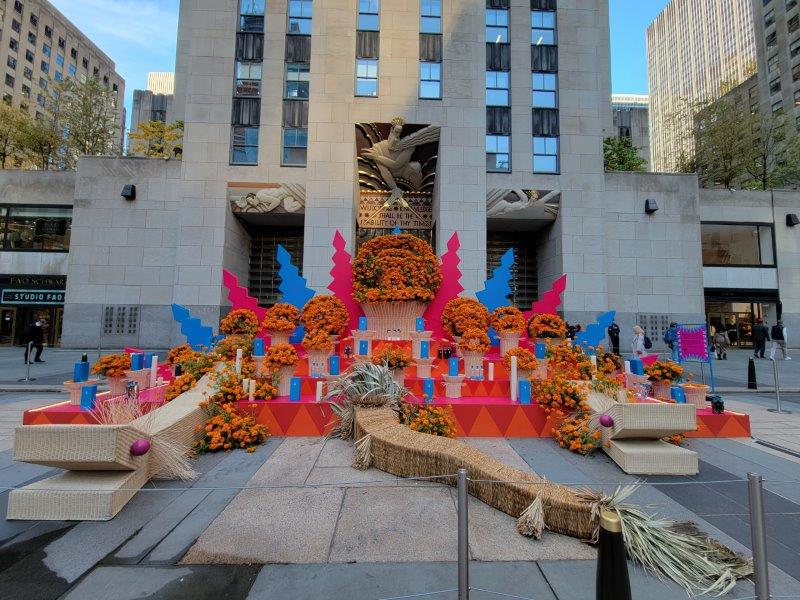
<point x="32" y="388"/>
<point x="761" y="390"/>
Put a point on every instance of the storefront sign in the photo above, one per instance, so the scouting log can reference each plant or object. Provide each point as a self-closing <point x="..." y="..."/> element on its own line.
<point x="45" y="282"/>
<point x="414" y="211"/>
<point x="41" y="297"/>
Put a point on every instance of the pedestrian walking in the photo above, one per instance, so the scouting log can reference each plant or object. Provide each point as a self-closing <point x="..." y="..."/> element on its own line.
<point x="671" y="340"/>
<point x="779" y="339"/>
<point x="613" y="335"/>
<point x="760" y="338"/>
<point x="638" y="346"/>
<point x="34" y="334"/>
<point x="721" y="344"/>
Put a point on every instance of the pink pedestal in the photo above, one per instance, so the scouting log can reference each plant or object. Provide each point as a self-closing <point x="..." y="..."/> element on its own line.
<point x="75" y="390"/>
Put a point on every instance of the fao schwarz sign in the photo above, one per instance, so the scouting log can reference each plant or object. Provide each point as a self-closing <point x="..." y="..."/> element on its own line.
<point x="32" y="297"/>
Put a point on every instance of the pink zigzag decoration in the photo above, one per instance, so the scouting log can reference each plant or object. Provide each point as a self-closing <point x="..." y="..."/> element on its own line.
<point x="342" y="280"/>
<point x="550" y="300"/>
<point x="239" y="296"/>
<point x="450" y="288"/>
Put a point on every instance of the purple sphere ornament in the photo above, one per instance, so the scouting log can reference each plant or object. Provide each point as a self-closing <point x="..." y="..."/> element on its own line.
<point x="140" y="447"/>
<point x="606" y="420"/>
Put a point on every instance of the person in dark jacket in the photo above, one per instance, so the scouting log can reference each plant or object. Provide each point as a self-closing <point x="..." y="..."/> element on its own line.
<point x="671" y="340"/>
<point x="613" y="335"/>
<point x="779" y="340"/>
<point x="34" y="334"/>
<point x="760" y="338"/>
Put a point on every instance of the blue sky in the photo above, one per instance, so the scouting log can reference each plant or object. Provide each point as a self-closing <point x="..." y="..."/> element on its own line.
<point x="140" y="36"/>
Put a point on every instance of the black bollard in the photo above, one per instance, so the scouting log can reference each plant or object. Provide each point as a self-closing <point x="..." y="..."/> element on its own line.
<point x="751" y="375"/>
<point x="612" y="564"/>
<point x="84" y="357"/>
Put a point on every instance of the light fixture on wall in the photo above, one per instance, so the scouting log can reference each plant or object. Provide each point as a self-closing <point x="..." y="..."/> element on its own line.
<point x="792" y="220"/>
<point x="129" y="192"/>
<point x="650" y="206"/>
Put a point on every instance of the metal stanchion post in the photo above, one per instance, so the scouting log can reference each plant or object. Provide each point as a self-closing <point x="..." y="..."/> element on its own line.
<point x="463" y="536"/>
<point x="758" y="532"/>
<point x="28" y="364"/>
<point x="777" y="408"/>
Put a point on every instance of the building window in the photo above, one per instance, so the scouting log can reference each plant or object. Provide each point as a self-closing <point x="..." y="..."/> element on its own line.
<point x="58" y="76"/>
<point x="524" y="273"/>
<point x="18" y="6"/>
<point x="300" y="17"/>
<point x="497" y="88"/>
<point x="430" y="16"/>
<point x="26" y="91"/>
<point x="793" y="24"/>
<point x="32" y="37"/>
<point x="772" y="64"/>
<point x="244" y="150"/>
<point x="498" y="155"/>
<point x="797" y="98"/>
<point x="735" y="244"/>
<point x="545" y="86"/>
<point x="73" y="70"/>
<point x="769" y="18"/>
<point x="248" y="78"/>
<point x="369" y="15"/>
<point x="497" y="25"/>
<point x="772" y="41"/>
<point x="38" y="228"/>
<point x="796" y="73"/>
<point x="545" y="154"/>
<point x="73" y="54"/>
<point x="775" y="85"/>
<point x="430" y="80"/>
<point x="16" y="25"/>
<point x="48" y="32"/>
<point x="777" y="107"/>
<point x="297" y="85"/>
<point x="29" y="56"/>
<point x="543" y="27"/>
<point x="62" y="43"/>
<point x="46" y="50"/>
<point x="60" y="60"/>
<point x="366" y="77"/>
<point x="85" y="63"/>
<point x="45" y="67"/>
<point x="28" y="73"/>
<point x="251" y="16"/>
<point x="43" y="83"/>
<point x="790" y="4"/>
<point x="295" y="146"/>
<point x="11" y="62"/>
<point x="34" y="21"/>
<point x="9" y="80"/>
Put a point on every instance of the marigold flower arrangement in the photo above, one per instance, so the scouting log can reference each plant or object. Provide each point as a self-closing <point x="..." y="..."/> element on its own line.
<point x="568" y="361"/>
<point x="507" y="319"/>
<point x="179" y="385"/>
<point x="664" y="370"/>
<point x="576" y="433"/>
<point x="547" y="326"/>
<point x="279" y="356"/>
<point x="475" y="340"/>
<point x="609" y="363"/>
<point x="396" y="268"/>
<point x="227" y="429"/>
<point x="178" y="354"/>
<point x="112" y="365"/>
<point x="526" y="360"/>
<point x="675" y="439"/>
<point x="435" y="420"/>
<point x="239" y="321"/>
<point x="265" y="390"/>
<point x="317" y="340"/>
<point x="227" y="346"/>
<point x="282" y="317"/>
<point x="395" y="357"/>
<point x="227" y="386"/>
<point x="325" y="313"/>
<point x="559" y="394"/>
<point x="198" y="364"/>
<point x="606" y="384"/>
<point x="460" y="314"/>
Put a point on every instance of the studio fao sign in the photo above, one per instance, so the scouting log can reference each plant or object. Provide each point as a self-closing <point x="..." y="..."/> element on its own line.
<point x="42" y="297"/>
<point x="382" y="210"/>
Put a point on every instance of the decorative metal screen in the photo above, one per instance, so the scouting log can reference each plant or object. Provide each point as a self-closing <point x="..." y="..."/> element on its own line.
<point x="264" y="267"/>
<point x="120" y="320"/>
<point x="654" y="326"/>
<point x="524" y="274"/>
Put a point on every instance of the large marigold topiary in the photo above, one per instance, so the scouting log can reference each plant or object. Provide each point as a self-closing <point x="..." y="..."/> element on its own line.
<point x="396" y="268"/>
<point x="461" y="314"/>
<point x="325" y="313"/>
<point x="282" y="317"/>
<point x="239" y="322"/>
<point x="547" y="326"/>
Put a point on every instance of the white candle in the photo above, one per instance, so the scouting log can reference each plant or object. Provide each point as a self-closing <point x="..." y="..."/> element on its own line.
<point x="252" y="386"/>
<point x="491" y="371"/>
<point x="513" y="379"/>
<point x="153" y="371"/>
<point x="246" y="385"/>
<point x="627" y="366"/>
<point x="238" y="361"/>
<point x="319" y="391"/>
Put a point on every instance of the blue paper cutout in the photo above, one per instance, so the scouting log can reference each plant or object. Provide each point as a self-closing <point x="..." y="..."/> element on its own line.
<point x="396" y="231"/>
<point x="594" y="334"/>
<point x="198" y="336"/>
<point x="497" y="288"/>
<point x="293" y="287"/>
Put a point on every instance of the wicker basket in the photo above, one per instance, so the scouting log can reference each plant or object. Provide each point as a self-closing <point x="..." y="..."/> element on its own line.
<point x="285" y="380"/>
<point x="318" y="363"/>
<point x="473" y="364"/>
<point x="508" y="341"/>
<point x="661" y="390"/>
<point x="696" y="394"/>
<point x="393" y="320"/>
<point x="278" y="337"/>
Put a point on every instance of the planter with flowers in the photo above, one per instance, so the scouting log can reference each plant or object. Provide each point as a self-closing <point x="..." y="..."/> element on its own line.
<point x="113" y="367"/>
<point x="325" y="313"/>
<point x="396" y="358"/>
<point x="696" y="394"/>
<point x="239" y="322"/>
<point x="280" y="361"/>
<point x="394" y="279"/>
<point x="527" y="365"/>
<point x="509" y="323"/>
<point x="318" y="344"/>
<point x="474" y="344"/>
<point x="663" y="374"/>
<point x="546" y="328"/>
<point x="461" y="314"/>
<point x="280" y="321"/>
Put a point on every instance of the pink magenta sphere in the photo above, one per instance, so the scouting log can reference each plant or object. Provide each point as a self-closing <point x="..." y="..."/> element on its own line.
<point x="606" y="420"/>
<point x="140" y="447"/>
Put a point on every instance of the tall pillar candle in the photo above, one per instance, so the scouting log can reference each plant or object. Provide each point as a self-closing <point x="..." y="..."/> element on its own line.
<point x="238" y="361"/>
<point x="491" y="371"/>
<point x="153" y="370"/>
<point x="319" y="391"/>
<point x="251" y="392"/>
<point x="513" y="379"/>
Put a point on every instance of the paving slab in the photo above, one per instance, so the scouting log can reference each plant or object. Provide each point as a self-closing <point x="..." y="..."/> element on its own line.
<point x="545" y="458"/>
<point x="291" y="463"/>
<point x="336" y="453"/>
<point x="348" y="476"/>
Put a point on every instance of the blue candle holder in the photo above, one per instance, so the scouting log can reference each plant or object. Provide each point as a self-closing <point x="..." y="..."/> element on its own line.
<point x="637" y="366"/>
<point x="427" y="388"/>
<point x="88" y="396"/>
<point x="363" y="347"/>
<point x="678" y="394"/>
<point x="362" y="323"/>
<point x="80" y="372"/>
<point x="258" y="347"/>
<point x="136" y="362"/>
<point x="524" y="391"/>
<point x="453" y="366"/>
<point x="334" y="365"/>
<point x="294" y="389"/>
<point x="540" y="349"/>
<point x="424" y="349"/>
<point x="420" y="323"/>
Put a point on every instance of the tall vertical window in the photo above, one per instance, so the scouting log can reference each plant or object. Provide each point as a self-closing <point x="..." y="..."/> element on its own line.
<point x="246" y="113"/>
<point x="497" y="88"/>
<point x="248" y="78"/>
<point x="545" y="155"/>
<point x="545" y="90"/>
<point x="369" y="15"/>
<point x="244" y="146"/>
<point x="498" y="155"/>
<point x="297" y="81"/>
<point x="497" y="25"/>
<point x="295" y="147"/>
<point x="366" y="77"/>
<point x="543" y="27"/>
<point x="430" y="80"/>
<point x="300" y="12"/>
<point x="251" y="16"/>
<point x="430" y="16"/>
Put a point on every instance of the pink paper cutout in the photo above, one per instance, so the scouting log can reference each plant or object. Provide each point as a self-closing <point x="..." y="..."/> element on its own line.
<point x="342" y="280"/>
<point x="240" y="298"/>
<point x="451" y="287"/>
<point x="548" y="303"/>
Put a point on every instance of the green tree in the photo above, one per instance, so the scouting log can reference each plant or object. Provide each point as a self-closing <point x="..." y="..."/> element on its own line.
<point x="156" y="139"/>
<point x="11" y="122"/>
<point x="770" y="152"/>
<point x="88" y="113"/>
<point x="720" y="133"/>
<point x="620" y="155"/>
<point x="42" y="142"/>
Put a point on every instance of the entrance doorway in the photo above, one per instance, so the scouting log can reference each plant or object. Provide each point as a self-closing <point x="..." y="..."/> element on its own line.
<point x="8" y="323"/>
<point x="737" y="318"/>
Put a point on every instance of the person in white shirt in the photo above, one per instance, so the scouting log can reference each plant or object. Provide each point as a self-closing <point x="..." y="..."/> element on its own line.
<point x="637" y="345"/>
<point x="779" y="340"/>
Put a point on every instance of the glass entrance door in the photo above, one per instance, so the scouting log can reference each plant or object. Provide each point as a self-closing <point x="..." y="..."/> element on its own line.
<point x="8" y="321"/>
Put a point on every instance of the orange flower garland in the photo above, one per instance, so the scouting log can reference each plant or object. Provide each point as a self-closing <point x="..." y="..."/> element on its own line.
<point x="279" y="356"/>
<point x="227" y="429"/>
<point x="394" y="357"/>
<point x="112" y="365"/>
<point x="435" y="420"/>
<point x="461" y="314"/>
<point x="282" y="317"/>
<point x="396" y="268"/>
<point x="559" y="394"/>
<point x="547" y="326"/>
<point x="317" y="340"/>
<point x="325" y="313"/>
<point x="526" y="360"/>
<point x="663" y="370"/>
<point x="576" y="434"/>
<point x="568" y="361"/>
<point x="507" y="319"/>
<point x="227" y="347"/>
<point x="179" y="385"/>
<point x="475" y="340"/>
<point x="240" y="321"/>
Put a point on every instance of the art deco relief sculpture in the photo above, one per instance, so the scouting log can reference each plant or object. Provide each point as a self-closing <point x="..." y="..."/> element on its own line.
<point x="290" y="196"/>
<point x="503" y="201"/>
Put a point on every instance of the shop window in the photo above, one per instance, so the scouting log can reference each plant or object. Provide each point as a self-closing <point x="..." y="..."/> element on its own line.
<point x="37" y="228"/>
<point x="738" y="245"/>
